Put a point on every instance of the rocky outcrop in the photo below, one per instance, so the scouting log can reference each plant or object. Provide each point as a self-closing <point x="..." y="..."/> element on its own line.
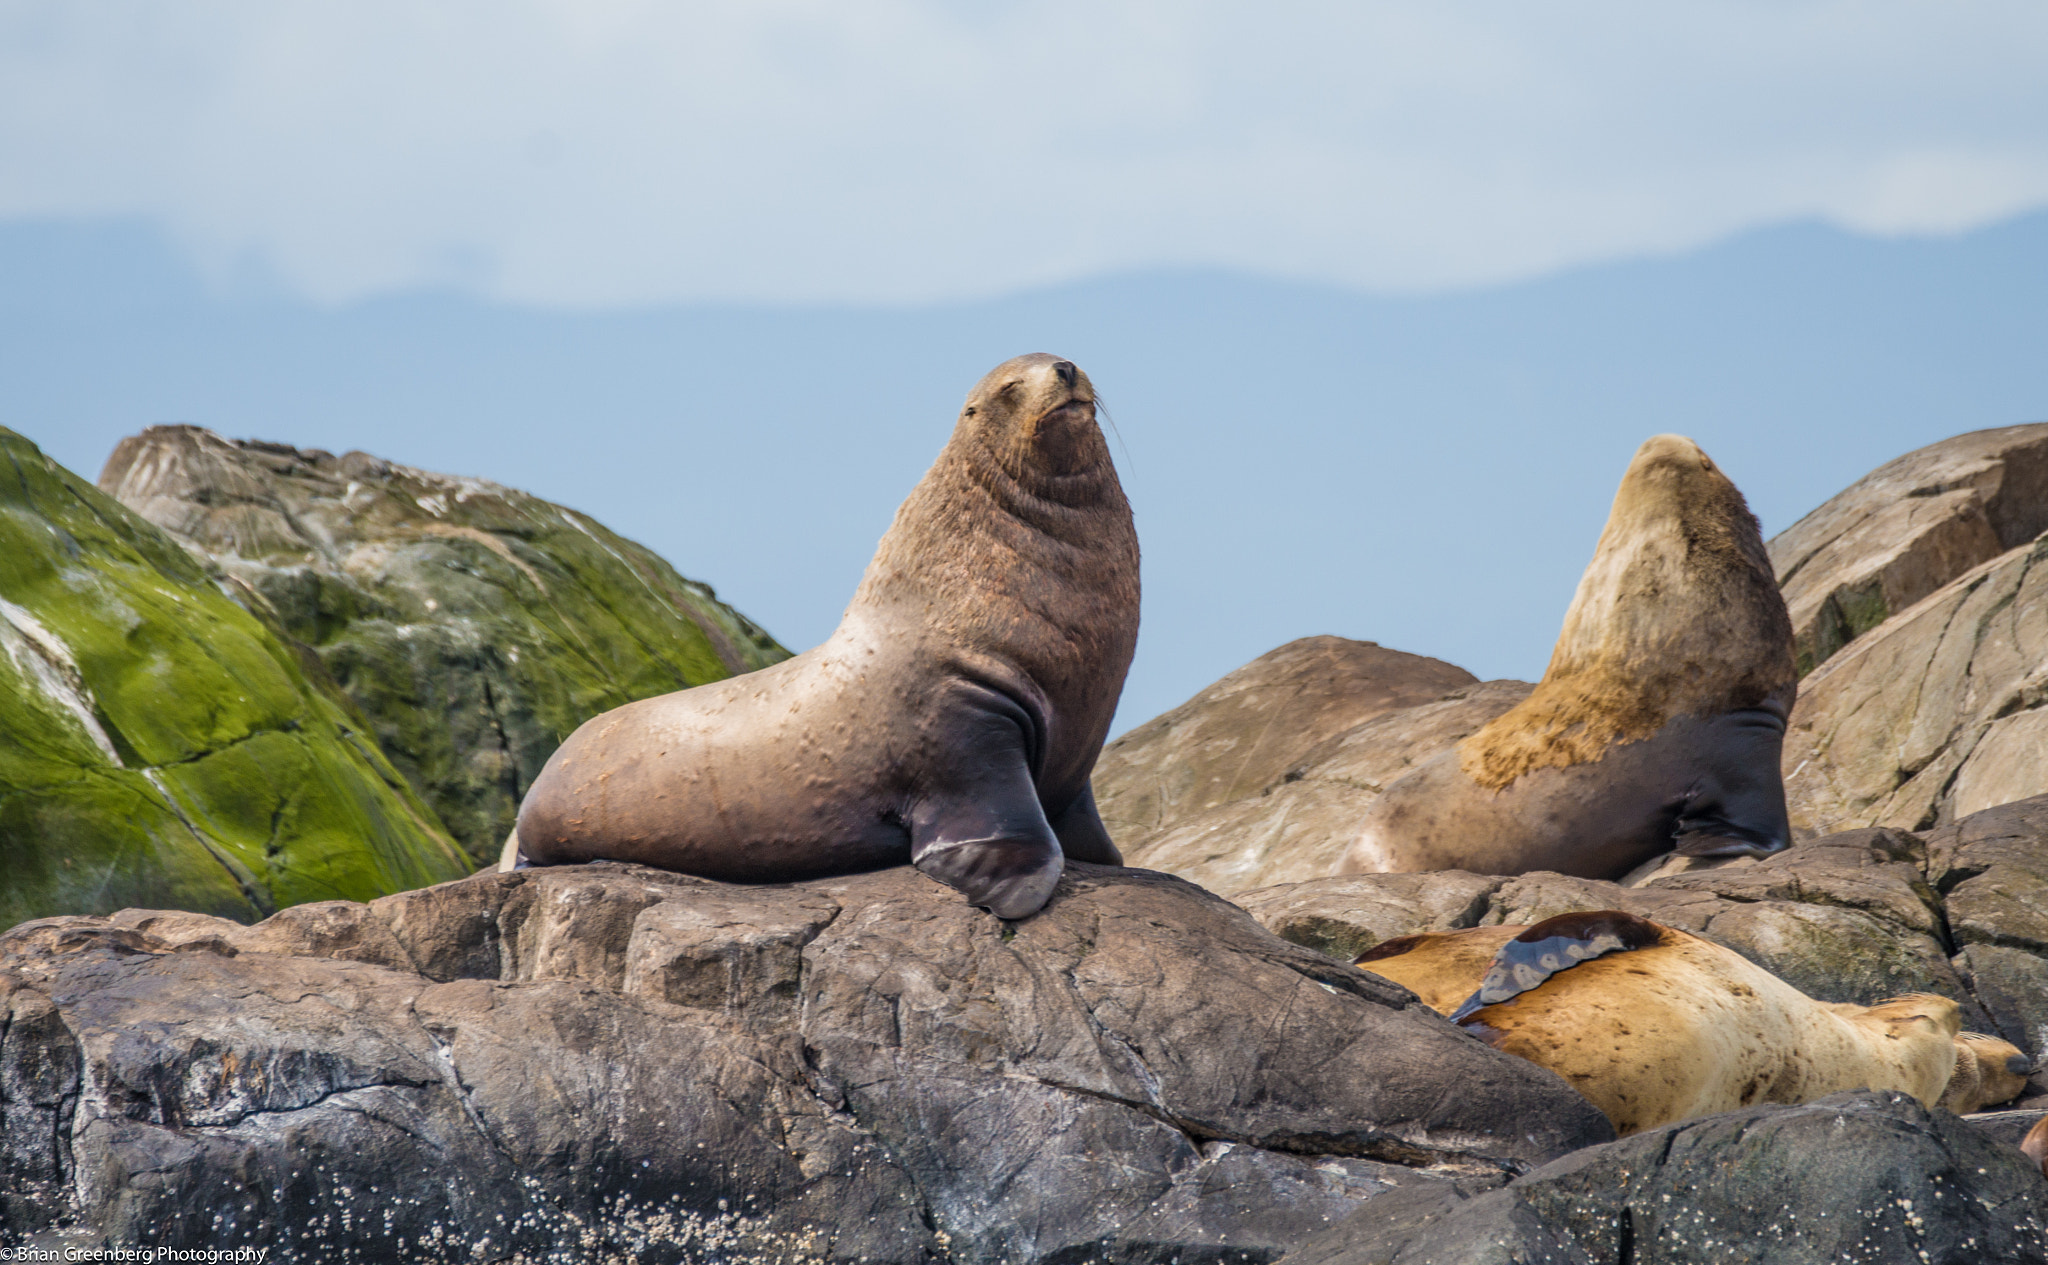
<point x="1873" y="1178"/>
<point x="1259" y="777"/>
<point x="161" y="746"/>
<point x="474" y="625"/>
<point x="609" y="1062"/>
<point x="1937" y="713"/>
<point x="1908" y="528"/>
<point x="1853" y="917"/>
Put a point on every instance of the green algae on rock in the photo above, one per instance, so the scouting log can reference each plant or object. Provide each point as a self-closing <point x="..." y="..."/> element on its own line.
<point x="474" y="625"/>
<point x="162" y="745"/>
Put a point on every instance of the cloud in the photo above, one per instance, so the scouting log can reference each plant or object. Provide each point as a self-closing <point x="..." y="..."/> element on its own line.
<point x="620" y="152"/>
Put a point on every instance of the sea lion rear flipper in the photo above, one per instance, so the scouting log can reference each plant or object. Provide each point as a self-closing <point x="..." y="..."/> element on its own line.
<point x="1737" y="807"/>
<point x="978" y="826"/>
<point x="1553" y="945"/>
<point x="1081" y="832"/>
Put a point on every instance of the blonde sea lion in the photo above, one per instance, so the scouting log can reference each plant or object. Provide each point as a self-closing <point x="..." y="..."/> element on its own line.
<point x="1654" y="1025"/>
<point x="2035" y="1145"/>
<point x="1659" y="723"/>
<point x="951" y="721"/>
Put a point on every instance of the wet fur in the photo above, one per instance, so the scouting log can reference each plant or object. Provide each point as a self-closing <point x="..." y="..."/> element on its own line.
<point x="1680" y="1027"/>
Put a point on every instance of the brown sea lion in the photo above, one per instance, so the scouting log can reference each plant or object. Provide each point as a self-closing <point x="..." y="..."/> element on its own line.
<point x="951" y="721"/>
<point x="1654" y="1025"/>
<point x="1658" y="724"/>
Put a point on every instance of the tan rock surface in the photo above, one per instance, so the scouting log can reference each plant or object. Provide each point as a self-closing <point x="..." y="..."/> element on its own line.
<point x="1934" y="715"/>
<point x="1242" y="734"/>
<point x="1906" y="529"/>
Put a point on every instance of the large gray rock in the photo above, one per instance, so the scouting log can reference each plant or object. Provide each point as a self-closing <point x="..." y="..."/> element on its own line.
<point x="474" y="625"/>
<point x="1908" y="528"/>
<point x="1872" y="1178"/>
<point x="605" y="1062"/>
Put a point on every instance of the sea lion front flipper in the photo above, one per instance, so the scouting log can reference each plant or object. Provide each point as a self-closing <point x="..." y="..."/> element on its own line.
<point x="977" y="825"/>
<point x="1737" y="807"/>
<point x="1081" y="833"/>
<point x="1553" y="945"/>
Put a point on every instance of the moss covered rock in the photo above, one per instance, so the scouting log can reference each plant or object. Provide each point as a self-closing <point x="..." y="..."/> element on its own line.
<point x="474" y="625"/>
<point x="160" y="744"/>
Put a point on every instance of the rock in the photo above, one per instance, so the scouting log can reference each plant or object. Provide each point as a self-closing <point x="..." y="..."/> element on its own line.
<point x="161" y="745"/>
<point x="2005" y="1126"/>
<point x="1295" y="804"/>
<point x="1935" y="714"/>
<point x="1345" y="916"/>
<point x="1865" y="1177"/>
<point x="1242" y="734"/>
<point x="1993" y="870"/>
<point x="1908" y="528"/>
<point x="474" y="625"/>
<point x="607" y="1061"/>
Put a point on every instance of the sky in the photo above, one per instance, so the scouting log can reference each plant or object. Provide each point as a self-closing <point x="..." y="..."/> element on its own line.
<point x="1381" y="295"/>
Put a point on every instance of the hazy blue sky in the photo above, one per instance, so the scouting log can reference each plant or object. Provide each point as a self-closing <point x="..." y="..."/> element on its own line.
<point x="1382" y="296"/>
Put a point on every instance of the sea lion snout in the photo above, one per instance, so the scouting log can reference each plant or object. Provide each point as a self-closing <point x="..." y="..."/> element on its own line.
<point x="1037" y="412"/>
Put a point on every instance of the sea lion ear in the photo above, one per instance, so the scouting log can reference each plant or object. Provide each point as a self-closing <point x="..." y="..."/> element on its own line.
<point x="1553" y="945"/>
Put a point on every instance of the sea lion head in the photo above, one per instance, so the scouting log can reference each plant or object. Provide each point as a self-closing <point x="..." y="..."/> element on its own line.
<point x="1035" y="415"/>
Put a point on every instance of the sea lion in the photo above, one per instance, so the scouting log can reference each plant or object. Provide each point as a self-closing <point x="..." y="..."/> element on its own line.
<point x="1989" y="1070"/>
<point x="952" y="720"/>
<point x="1659" y="723"/>
<point x="1654" y="1025"/>
<point x="2035" y="1145"/>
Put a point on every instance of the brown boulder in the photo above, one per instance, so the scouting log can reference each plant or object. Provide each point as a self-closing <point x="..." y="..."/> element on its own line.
<point x="1260" y="778"/>
<point x="1242" y="734"/>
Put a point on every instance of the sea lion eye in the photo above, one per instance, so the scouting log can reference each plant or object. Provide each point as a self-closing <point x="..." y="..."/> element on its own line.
<point x="971" y="411"/>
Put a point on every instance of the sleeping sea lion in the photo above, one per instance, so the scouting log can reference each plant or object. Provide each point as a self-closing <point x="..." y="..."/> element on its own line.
<point x="1654" y="1025"/>
<point x="951" y="721"/>
<point x="1659" y="723"/>
<point x="2035" y="1145"/>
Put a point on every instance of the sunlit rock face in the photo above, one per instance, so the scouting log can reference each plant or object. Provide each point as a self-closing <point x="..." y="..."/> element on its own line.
<point x="613" y="1062"/>
<point x="1906" y="529"/>
<point x="475" y="626"/>
<point x="159" y="744"/>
